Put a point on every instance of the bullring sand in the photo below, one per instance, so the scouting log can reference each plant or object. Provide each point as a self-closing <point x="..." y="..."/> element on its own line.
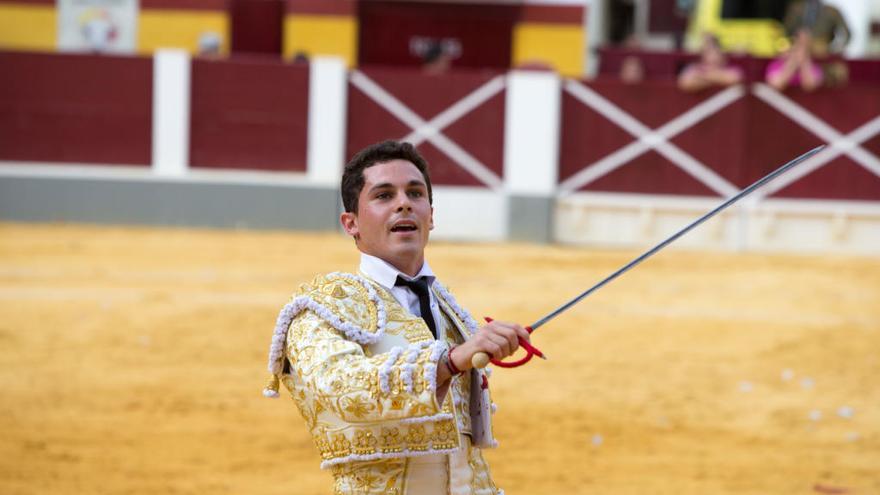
<point x="133" y="360"/>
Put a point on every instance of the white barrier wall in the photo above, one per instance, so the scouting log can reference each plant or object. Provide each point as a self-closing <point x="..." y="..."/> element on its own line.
<point x="527" y="205"/>
<point x="469" y="214"/>
<point x="641" y="221"/>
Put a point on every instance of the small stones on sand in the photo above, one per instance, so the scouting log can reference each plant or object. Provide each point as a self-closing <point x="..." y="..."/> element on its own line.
<point x="597" y="440"/>
<point x="786" y="375"/>
<point x="815" y="415"/>
<point x="807" y="383"/>
<point x="745" y="386"/>
<point x="845" y="412"/>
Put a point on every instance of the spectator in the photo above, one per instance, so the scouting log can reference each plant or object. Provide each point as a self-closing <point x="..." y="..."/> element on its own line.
<point x="632" y="71"/>
<point x="710" y="70"/>
<point x="796" y="66"/>
<point x="209" y="44"/>
<point x="300" y="57"/>
<point x="436" y="60"/>
<point x="826" y="23"/>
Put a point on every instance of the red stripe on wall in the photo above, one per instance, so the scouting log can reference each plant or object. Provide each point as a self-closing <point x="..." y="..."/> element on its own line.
<point x="326" y="7"/>
<point x="563" y="14"/>
<point x="76" y="108"/>
<point x="249" y="115"/>
<point x="150" y="4"/>
<point x="185" y="4"/>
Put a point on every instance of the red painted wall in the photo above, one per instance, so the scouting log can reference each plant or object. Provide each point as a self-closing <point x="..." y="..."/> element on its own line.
<point x="480" y="132"/>
<point x="75" y="108"/>
<point x="250" y="114"/>
<point x="253" y="114"/>
<point x="255" y="26"/>
<point x="742" y="142"/>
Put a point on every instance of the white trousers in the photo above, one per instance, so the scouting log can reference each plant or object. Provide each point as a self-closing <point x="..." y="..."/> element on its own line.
<point x="441" y="474"/>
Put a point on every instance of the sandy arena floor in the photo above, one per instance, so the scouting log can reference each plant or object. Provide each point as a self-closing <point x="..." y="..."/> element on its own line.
<point x="132" y="360"/>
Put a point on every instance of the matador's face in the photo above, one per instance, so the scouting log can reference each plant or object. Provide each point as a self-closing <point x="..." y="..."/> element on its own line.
<point x="394" y="215"/>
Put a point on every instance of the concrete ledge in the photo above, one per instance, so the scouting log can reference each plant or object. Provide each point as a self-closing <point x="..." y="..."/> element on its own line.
<point x="772" y="225"/>
<point x="530" y="218"/>
<point x="171" y="202"/>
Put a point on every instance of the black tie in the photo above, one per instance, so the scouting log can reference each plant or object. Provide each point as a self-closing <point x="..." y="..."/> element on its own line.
<point x="419" y="287"/>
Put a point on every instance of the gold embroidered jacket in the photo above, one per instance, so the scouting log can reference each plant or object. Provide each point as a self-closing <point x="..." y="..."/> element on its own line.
<point x="362" y="371"/>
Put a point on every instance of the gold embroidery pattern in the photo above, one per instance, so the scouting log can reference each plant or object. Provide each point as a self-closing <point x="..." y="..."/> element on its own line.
<point x="340" y="389"/>
<point x="413" y="328"/>
<point x="358" y="403"/>
<point x="384" y="477"/>
<point x="481" y="483"/>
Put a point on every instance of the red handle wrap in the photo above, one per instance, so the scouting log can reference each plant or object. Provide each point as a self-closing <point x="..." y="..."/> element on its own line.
<point x="530" y="352"/>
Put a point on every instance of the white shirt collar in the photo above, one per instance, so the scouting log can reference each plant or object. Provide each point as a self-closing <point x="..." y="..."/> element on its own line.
<point x="386" y="275"/>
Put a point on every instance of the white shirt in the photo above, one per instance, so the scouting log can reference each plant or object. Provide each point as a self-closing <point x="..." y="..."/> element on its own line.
<point x="386" y="275"/>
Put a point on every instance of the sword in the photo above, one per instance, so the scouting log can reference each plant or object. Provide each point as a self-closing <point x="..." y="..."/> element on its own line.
<point x="481" y="359"/>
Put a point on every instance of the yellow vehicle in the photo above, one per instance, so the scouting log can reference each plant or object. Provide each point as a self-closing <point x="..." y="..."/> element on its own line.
<point x="763" y="37"/>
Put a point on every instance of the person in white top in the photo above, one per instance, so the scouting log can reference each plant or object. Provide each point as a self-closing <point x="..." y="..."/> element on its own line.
<point x="379" y="363"/>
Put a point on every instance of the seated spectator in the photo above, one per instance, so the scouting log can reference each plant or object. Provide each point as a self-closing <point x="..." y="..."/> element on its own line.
<point x="300" y="57"/>
<point x="632" y="71"/>
<point x="436" y="60"/>
<point x="209" y="44"/>
<point x="710" y="70"/>
<point x="825" y="22"/>
<point x="796" y="66"/>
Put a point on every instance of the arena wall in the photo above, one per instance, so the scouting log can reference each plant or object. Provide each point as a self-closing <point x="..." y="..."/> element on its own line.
<point x="549" y="32"/>
<point x="520" y="155"/>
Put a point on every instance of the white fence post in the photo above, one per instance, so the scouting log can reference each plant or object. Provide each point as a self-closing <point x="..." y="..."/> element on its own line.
<point x="531" y="153"/>
<point x="328" y="92"/>
<point x="171" y="105"/>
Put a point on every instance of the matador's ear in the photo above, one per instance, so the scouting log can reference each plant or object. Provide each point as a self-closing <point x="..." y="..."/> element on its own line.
<point x="349" y="223"/>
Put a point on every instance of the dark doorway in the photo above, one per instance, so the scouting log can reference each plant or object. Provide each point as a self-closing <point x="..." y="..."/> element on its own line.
<point x="622" y="24"/>
<point x="753" y="9"/>
<point x="256" y="26"/>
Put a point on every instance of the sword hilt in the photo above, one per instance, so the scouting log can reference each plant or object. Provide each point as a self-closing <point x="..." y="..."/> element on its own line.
<point x="481" y="359"/>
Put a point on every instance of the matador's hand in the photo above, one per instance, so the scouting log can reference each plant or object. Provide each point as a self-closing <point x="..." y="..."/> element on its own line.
<point x="497" y="339"/>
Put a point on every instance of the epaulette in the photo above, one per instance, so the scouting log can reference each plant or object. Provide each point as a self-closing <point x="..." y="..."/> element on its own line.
<point x="348" y="302"/>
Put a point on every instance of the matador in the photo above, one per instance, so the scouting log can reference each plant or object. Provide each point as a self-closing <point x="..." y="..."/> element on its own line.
<point x="379" y="361"/>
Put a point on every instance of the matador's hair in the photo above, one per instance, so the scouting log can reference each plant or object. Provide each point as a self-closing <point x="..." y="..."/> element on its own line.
<point x="353" y="176"/>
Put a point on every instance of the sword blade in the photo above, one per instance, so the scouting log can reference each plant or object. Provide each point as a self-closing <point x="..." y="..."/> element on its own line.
<point x="733" y="199"/>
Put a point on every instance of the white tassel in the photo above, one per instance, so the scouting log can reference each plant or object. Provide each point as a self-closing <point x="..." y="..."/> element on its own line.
<point x="385" y="369"/>
<point x="406" y="375"/>
<point x="272" y="386"/>
<point x="438" y="346"/>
